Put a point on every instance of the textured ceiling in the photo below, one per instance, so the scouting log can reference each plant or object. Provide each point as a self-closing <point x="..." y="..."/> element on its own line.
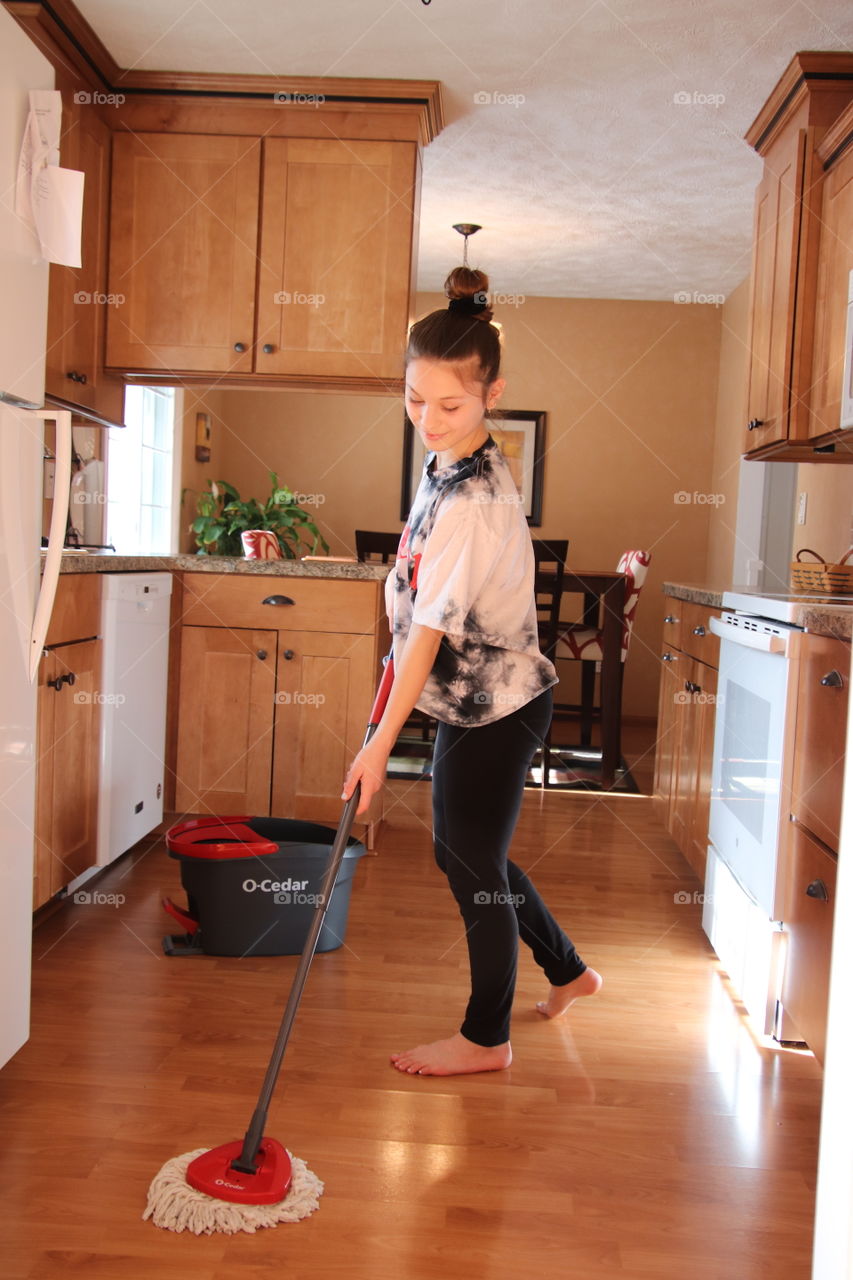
<point x="600" y="144"/>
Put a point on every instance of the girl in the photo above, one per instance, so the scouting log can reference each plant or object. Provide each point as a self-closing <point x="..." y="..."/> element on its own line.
<point x="462" y="612"/>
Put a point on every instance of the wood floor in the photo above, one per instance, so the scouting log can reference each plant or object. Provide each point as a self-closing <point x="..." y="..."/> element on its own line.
<point x="648" y="1136"/>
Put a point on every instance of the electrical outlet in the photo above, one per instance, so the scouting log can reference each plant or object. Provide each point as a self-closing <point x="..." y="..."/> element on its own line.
<point x="802" y="506"/>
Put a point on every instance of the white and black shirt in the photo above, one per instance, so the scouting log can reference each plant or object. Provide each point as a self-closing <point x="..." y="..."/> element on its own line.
<point x="465" y="567"/>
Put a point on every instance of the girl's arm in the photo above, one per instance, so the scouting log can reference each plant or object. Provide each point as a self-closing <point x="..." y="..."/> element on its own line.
<point x="410" y="676"/>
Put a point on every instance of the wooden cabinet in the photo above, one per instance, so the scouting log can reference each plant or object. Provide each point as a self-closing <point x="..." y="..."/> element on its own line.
<point x="835" y="262"/>
<point x="277" y="678"/>
<point x="67" y="740"/>
<point x="183" y="252"/>
<point x="814" y="90"/>
<point x="225" y="737"/>
<point x="820" y="737"/>
<point x="78" y="299"/>
<point x="685" y="731"/>
<point x="330" y="241"/>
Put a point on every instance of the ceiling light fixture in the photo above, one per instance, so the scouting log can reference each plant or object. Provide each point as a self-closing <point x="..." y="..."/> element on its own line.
<point x="466" y="229"/>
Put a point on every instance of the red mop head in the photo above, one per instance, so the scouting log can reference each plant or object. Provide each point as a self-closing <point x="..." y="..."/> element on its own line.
<point x="211" y="1173"/>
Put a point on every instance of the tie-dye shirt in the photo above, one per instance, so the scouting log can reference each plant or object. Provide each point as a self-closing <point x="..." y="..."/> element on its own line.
<point x="465" y="567"/>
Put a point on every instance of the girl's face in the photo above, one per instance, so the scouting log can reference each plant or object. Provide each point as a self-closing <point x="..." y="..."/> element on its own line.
<point x="447" y="412"/>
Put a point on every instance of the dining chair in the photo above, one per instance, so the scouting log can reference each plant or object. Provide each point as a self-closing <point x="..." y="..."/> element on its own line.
<point x="583" y="641"/>
<point x="369" y="544"/>
<point x="549" y="569"/>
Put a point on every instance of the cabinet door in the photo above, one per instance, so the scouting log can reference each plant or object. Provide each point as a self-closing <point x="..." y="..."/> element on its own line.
<point x="809" y="910"/>
<point x="183" y="244"/>
<point x="666" y="747"/>
<point x="323" y="699"/>
<point x="773" y="291"/>
<point x="820" y="736"/>
<point x="834" y="266"/>
<point x="696" y="852"/>
<point x="225" y="721"/>
<point x="67" y="776"/>
<point x="686" y="765"/>
<point x="335" y="263"/>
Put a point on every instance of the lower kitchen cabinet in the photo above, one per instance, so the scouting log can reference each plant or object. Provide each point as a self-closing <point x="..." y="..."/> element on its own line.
<point x="809" y="909"/>
<point x="226" y="715"/>
<point x="67" y="771"/>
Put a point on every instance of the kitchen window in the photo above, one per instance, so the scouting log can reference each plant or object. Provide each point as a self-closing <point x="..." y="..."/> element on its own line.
<point x="142" y="478"/>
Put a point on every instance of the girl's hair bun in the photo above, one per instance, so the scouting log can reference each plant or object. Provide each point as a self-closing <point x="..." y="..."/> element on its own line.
<point x="468" y="291"/>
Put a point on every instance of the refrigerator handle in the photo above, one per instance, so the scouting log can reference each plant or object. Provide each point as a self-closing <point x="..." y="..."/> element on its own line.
<point x="56" y="538"/>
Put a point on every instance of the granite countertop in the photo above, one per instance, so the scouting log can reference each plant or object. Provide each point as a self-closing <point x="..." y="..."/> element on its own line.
<point x="695" y="593"/>
<point x="831" y="619"/>
<point x="225" y="564"/>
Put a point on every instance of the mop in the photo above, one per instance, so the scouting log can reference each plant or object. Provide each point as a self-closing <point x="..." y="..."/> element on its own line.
<point x="254" y="1183"/>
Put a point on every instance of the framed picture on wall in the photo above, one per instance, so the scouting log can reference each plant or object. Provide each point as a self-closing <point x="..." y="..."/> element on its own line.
<point x="520" y="436"/>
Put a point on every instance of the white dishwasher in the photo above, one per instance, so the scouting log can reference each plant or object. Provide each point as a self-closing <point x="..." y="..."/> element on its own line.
<point x="135" y="630"/>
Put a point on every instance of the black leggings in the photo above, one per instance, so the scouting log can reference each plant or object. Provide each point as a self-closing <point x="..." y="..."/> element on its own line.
<point x="477" y="787"/>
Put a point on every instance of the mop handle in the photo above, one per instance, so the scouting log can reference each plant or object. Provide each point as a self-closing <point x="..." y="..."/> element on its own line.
<point x="245" y="1162"/>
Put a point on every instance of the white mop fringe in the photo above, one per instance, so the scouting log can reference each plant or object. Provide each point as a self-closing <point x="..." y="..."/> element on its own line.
<point x="176" y="1206"/>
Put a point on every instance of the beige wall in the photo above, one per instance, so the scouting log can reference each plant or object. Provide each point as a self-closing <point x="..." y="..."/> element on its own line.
<point x="828" y="529"/>
<point x="630" y="390"/>
<point x="194" y="475"/>
<point x="728" y="433"/>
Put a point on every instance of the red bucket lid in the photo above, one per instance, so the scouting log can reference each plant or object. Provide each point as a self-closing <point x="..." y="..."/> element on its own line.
<point x="215" y="837"/>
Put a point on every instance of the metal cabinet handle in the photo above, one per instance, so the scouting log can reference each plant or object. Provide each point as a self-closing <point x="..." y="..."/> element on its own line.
<point x="753" y="423"/>
<point x="68" y="678"/>
<point x="699" y="631"/>
<point x="817" y="889"/>
<point x="833" y="679"/>
<point x="288" y="654"/>
<point x="77" y="377"/>
<point x="667" y="657"/>
<point x="262" y="653"/>
<point x="670" y="617"/>
<point x="239" y="347"/>
<point x="268" y="348"/>
<point x="278" y="600"/>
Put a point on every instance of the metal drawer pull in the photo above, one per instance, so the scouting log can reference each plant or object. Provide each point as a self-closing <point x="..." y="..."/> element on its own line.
<point x="288" y="654"/>
<point x="667" y="657"/>
<point x="699" y="631"/>
<point x="278" y="600"/>
<point x="68" y="678"/>
<point x="817" y="889"/>
<point x="833" y="680"/>
<point x="670" y="617"/>
<point x="262" y="653"/>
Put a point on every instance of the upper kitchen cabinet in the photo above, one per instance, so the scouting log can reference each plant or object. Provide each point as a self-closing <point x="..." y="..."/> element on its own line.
<point x="290" y="257"/>
<point x="183" y="252"/>
<point x="809" y="98"/>
<point x="835" y="263"/>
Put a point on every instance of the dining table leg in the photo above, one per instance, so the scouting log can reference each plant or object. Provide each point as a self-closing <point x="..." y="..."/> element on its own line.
<point x="611" y="718"/>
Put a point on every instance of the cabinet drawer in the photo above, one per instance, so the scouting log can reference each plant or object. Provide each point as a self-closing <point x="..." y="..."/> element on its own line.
<point x="76" y="610"/>
<point x="306" y="604"/>
<point x="808" y="922"/>
<point x="673" y="610"/>
<point x="697" y="638"/>
<point x="820" y="735"/>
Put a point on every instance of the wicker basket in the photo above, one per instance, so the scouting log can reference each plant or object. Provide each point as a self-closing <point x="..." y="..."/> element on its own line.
<point x="820" y="577"/>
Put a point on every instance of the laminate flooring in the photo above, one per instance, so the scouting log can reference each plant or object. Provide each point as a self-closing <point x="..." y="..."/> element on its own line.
<point x="648" y="1135"/>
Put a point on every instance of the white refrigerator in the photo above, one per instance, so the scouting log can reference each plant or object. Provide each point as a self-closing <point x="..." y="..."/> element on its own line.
<point x="26" y="595"/>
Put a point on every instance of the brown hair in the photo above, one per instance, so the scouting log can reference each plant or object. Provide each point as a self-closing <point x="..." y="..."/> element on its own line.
<point x="463" y="335"/>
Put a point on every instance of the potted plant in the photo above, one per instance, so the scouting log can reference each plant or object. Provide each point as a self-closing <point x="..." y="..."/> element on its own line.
<point x="223" y="515"/>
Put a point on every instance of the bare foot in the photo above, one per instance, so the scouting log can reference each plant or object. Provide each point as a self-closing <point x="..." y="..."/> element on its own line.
<point x="452" y="1057"/>
<point x="587" y="984"/>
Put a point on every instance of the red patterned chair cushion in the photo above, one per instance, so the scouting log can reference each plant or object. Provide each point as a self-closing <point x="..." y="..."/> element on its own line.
<point x="579" y="642"/>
